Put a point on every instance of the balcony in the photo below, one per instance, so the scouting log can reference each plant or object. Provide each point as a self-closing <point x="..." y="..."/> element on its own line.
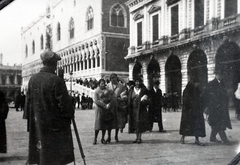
<point x="174" y="38"/>
<point x="198" y="30"/>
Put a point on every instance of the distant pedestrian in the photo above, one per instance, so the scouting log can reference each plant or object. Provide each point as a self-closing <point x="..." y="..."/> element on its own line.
<point x="49" y="112"/>
<point x="192" y="120"/>
<point x="83" y="101"/>
<point x="216" y="103"/>
<point x="155" y="108"/>
<point x="90" y="103"/>
<point x="175" y="105"/>
<point x="78" y="100"/>
<point x="138" y="103"/>
<point x="17" y="100"/>
<point x="164" y="102"/>
<point x="103" y="113"/>
<point x="22" y="101"/>
<point x="3" y="116"/>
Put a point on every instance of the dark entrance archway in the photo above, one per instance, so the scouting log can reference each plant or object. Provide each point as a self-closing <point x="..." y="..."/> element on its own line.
<point x="153" y="72"/>
<point x="197" y="67"/>
<point x="173" y="75"/>
<point x="137" y="71"/>
<point x="228" y="60"/>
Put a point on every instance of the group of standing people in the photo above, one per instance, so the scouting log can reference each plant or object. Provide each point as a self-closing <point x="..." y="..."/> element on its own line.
<point x="117" y="104"/>
<point x="213" y="101"/>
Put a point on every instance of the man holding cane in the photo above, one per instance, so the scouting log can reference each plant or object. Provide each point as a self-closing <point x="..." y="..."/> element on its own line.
<point x="49" y="112"/>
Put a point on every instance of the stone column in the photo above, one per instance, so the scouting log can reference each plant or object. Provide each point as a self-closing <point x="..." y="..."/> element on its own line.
<point x="145" y="75"/>
<point x="162" y="62"/>
<point x="15" y="79"/>
<point x="1" y="79"/>
<point x="184" y="59"/>
<point x="7" y="80"/>
<point x="130" y="66"/>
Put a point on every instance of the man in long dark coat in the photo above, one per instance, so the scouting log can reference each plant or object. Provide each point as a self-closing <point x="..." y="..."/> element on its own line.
<point x="155" y="110"/>
<point x="216" y="103"/>
<point x="49" y="112"/>
<point x="3" y="116"/>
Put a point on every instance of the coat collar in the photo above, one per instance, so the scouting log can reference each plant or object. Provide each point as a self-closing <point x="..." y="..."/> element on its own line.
<point x="47" y="69"/>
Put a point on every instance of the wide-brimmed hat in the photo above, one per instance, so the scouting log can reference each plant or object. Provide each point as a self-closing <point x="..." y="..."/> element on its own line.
<point x="49" y="55"/>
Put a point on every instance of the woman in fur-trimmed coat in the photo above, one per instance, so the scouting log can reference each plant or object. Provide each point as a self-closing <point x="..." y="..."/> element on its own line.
<point x="138" y="110"/>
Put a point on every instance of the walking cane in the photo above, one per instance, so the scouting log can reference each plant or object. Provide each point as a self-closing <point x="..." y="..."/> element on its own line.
<point x="78" y="140"/>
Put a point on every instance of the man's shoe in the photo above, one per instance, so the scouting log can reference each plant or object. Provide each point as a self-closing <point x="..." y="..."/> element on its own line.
<point x="162" y="131"/>
<point x="227" y="142"/>
<point x="215" y="140"/>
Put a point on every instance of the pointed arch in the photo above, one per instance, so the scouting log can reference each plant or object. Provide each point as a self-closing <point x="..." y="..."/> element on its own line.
<point x="41" y="42"/>
<point x="89" y="18"/>
<point x="58" y="31"/>
<point x="33" y="47"/>
<point x="71" y="28"/>
<point x="118" y="16"/>
<point x="26" y="51"/>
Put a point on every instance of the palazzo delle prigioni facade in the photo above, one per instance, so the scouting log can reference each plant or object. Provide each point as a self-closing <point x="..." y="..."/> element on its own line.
<point x="10" y="81"/>
<point x="174" y="40"/>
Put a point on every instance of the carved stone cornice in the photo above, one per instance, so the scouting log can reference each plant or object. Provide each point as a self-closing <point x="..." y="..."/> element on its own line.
<point x="154" y="8"/>
<point x="171" y="2"/>
<point x="135" y="4"/>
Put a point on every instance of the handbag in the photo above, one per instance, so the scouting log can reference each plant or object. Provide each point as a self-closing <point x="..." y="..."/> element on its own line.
<point x="4" y="110"/>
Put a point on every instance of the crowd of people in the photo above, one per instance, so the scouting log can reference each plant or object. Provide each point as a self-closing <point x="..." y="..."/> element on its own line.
<point x="81" y="101"/>
<point x="50" y="110"/>
<point x="170" y="102"/>
<point x="117" y="104"/>
<point x="140" y="108"/>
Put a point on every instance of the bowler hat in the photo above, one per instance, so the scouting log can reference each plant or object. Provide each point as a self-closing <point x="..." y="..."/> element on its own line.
<point x="49" y="55"/>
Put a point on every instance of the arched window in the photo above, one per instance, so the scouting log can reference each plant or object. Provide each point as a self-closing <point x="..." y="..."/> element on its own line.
<point x="33" y="47"/>
<point x="41" y="42"/>
<point x="26" y="51"/>
<point x="71" y="28"/>
<point x="58" y="31"/>
<point x="117" y="16"/>
<point x="89" y="18"/>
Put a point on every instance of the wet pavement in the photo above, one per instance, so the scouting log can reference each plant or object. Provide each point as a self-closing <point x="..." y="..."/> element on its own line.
<point x="156" y="148"/>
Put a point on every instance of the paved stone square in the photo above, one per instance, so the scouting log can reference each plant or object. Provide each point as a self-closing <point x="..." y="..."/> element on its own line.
<point x="156" y="149"/>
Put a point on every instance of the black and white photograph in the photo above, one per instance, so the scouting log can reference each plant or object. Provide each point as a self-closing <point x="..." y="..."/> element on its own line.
<point x="119" y="82"/>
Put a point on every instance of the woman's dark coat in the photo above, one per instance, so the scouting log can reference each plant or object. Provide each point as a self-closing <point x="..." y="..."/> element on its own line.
<point x="138" y="111"/>
<point x="192" y="120"/>
<point x="49" y="112"/>
<point x="216" y="100"/>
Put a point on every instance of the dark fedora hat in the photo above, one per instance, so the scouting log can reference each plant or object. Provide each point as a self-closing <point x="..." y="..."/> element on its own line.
<point x="49" y="55"/>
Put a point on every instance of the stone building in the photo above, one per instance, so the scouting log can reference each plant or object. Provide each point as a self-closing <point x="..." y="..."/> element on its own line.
<point x="10" y="79"/>
<point x="174" y="40"/>
<point x="92" y="38"/>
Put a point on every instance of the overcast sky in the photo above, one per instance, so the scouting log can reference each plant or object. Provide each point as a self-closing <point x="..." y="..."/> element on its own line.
<point x="20" y="13"/>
